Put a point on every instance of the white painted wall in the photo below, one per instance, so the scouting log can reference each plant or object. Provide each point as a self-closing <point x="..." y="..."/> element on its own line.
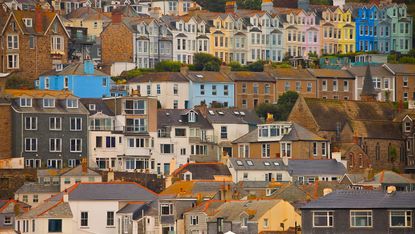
<point x="234" y="131"/>
<point x="257" y="175"/>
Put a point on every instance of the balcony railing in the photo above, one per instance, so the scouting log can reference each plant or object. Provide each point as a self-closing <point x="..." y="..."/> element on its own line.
<point x="101" y="128"/>
<point x="205" y="139"/>
<point x="135" y="129"/>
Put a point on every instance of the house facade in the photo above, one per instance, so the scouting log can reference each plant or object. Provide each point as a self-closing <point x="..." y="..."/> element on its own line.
<point x="82" y="79"/>
<point x="293" y="79"/>
<point x="334" y="84"/>
<point x="34" y="42"/>
<point x="42" y="122"/>
<point x="404" y="74"/>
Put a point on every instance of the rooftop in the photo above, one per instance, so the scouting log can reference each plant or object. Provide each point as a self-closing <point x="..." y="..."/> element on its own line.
<point x="257" y="164"/>
<point x="316" y="167"/>
<point x="159" y="77"/>
<point x="364" y="199"/>
<point x="203" y="171"/>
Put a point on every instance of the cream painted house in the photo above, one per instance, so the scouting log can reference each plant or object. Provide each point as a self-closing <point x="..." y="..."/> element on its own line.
<point x="170" y="88"/>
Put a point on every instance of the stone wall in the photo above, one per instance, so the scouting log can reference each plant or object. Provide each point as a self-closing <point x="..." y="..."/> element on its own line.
<point x="13" y="179"/>
<point x="116" y="48"/>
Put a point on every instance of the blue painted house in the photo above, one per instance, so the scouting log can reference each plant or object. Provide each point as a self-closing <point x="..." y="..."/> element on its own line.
<point x="81" y="78"/>
<point x="210" y="88"/>
<point x="367" y="28"/>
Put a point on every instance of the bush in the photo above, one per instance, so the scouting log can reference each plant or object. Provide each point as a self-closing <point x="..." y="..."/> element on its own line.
<point x="205" y="62"/>
<point x="235" y="66"/>
<point x="168" y="66"/>
<point x="16" y="82"/>
<point x="257" y="66"/>
<point x="281" y="110"/>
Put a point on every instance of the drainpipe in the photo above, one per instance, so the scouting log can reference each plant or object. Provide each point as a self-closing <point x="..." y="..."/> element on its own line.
<point x="21" y="137"/>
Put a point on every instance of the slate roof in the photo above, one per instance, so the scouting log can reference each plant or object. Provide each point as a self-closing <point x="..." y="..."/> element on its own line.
<point x="100" y="106"/>
<point x="77" y="171"/>
<point x="46" y="16"/>
<point x="208" y="77"/>
<point x="203" y="171"/>
<point x="159" y="77"/>
<point x="297" y="133"/>
<point x="232" y="210"/>
<point x="258" y="164"/>
<point x="388" y="177"/>
<point x="251" y="76"/>
<point x="402" y="68"/>
<point x="368" y="86"/>
<point x="377" y="71"/>
<point x="122" y="191"/>
<point x="174" y="117"/>
<point x="131" y="207"/>
<point x="364" y="199"/>
<point x="74" y="69"/>
<point x="366" y="117"/>
<point x="315" y="167"/>
<point x="232" y="116"/>
<point x="331" y="73"/>
<point x="292" y="73"/>
<point x="49" y="209"/>
<point x="87" y="13"/>
<point x="38" y="188"/>
<point x="193" y="188"/>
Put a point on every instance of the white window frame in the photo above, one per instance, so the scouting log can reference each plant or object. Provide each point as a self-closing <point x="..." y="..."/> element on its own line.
<point x="31" y="144"/>
<point x="78" y="144"/>
<point x="407" y="214"/>
<point x="28" y="22"/>
<point x="25" y="102"/>
<point x="55" y="127"/>
<point x="15" y="61"/>
<point x="265" y="150"/>
<point x="13" y="40"/>
<point x="31" y="127"/>
<point x="52" y="102"/>
<point x="370" y="217"/>
<point x="194" y="220"/>
<point x="328" y="214"/>
<point x="71" y="103"/>
<point x="57" y="43"/>
<point x="58" y="144"/>
<point x="74" y="128"/>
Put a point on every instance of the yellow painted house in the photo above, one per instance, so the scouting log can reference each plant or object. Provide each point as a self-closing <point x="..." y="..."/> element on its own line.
<point x="337" y="31"/>
<point x="87" y="17"/>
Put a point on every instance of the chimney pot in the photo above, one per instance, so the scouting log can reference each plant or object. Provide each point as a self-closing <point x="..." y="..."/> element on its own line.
<point x="391" y="190"/>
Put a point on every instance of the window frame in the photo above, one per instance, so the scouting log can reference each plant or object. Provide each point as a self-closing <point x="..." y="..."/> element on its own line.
<point x="328" y="215"/>
<point x="355" y="211"/>
<point x="405" y="217"/>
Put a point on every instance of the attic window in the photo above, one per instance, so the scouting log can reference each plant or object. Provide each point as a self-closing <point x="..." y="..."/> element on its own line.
<point x="249" y="162"/>
<point x="92" y="107"/>
<point x="28" y="22"/>
<point x="239" y="163"/>
<point x="192" y="117"/>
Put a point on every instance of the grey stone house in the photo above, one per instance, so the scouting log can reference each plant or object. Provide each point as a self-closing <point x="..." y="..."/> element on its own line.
<point x="49" y="128"/>
<point x="360" y="211"/>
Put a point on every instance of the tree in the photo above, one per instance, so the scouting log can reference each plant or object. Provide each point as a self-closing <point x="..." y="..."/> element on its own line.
<point x="16" y="82"/>
<point x="205" y="62"/>
<point x="281" y="110"/>
<point x="264" y="108"/>
<point x="168" y="66"/>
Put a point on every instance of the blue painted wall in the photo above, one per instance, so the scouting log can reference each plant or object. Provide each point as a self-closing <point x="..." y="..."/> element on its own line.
<point x="367" y="31"/>
<point x="195" y="96"/>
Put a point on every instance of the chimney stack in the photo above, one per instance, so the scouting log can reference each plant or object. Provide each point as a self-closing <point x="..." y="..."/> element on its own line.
<point x="391" y="190"/>
<point x="267" y="5"/>
<point x="84" y="165"/>
<point x="38" y="19"/>
<point x="110" y="175"/>
<point x="230" y="7"/>
<point x="116" y="17"/>
<point x="65" y="196"/>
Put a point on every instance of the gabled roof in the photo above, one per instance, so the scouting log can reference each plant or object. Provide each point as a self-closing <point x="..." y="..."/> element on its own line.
<point x="388" y="177"/>
<point x="233" y="210"/>
<point x="35" y="93"/>
<point x="192" y="189"/>
<point x="377" y="71"/>
<point x="159" y="77"/>
<point x="401" y="68"/>
<point x="292" y="73"/>
<point x="77" y="171"/>
<point x="208" y="77"/>
<point x="331" y="73"/>
<point x="251" y="76"/>
<point x="232" y="116"/>
<point x="257" y="164"/>
<point x="364" y="199"/>
<point x="316" y="167"/>
<point x="87" y="13"/>
<point x="49" y="209"/>
<point x="100" y="106"/>
<point x="8" y="206"/>
<point x="176" y="117"/>
<point x="121" y="191"/>
<point x="76" y="69"/>
<point x="203" y="171"/>
<point x="37" y="188"/>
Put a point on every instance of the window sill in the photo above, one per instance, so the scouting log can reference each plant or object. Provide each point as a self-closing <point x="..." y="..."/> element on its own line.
<point x="84" y="227"/>
<point x="110" y="226"/>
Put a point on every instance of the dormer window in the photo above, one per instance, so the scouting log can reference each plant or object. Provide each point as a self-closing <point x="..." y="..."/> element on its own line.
<point x="28" y="22"/>
<point x="25" y="102"/>
<point x="408" y="126"/>
<point x="72" y="103"/>
<point x="48" y="102"/>
<point x="192" y="117"/>
<point x="92" y="107"/>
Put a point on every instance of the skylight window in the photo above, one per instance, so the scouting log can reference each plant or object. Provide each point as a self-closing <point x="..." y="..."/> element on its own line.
<point x="276" y="164"/>
<point x="211" y="112"/>
<point x="220" y="112"/>
<point x="236" y="112"/>
<point x="199" y="76"/>
<point x="250" y="163"/>
<point x="239" y="163"/>
<point x="267" y="164"/>
<point x="242" y="113"/>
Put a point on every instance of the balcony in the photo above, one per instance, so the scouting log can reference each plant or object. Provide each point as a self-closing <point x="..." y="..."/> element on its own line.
<point x="205" y="139"/>
<point x="83" y="39"/>
<point x="101" y="128"/>
<point x="139" y="130"/>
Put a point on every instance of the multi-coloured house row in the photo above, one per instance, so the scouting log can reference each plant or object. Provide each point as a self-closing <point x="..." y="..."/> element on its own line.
<point x="247" y="90"/>
<point x="246" y="36"/>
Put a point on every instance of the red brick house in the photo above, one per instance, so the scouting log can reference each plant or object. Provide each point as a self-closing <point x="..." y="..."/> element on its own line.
<point x="33" y="42"/>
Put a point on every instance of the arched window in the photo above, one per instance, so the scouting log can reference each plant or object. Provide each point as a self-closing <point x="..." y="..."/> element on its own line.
<point x="377" y="151"/>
